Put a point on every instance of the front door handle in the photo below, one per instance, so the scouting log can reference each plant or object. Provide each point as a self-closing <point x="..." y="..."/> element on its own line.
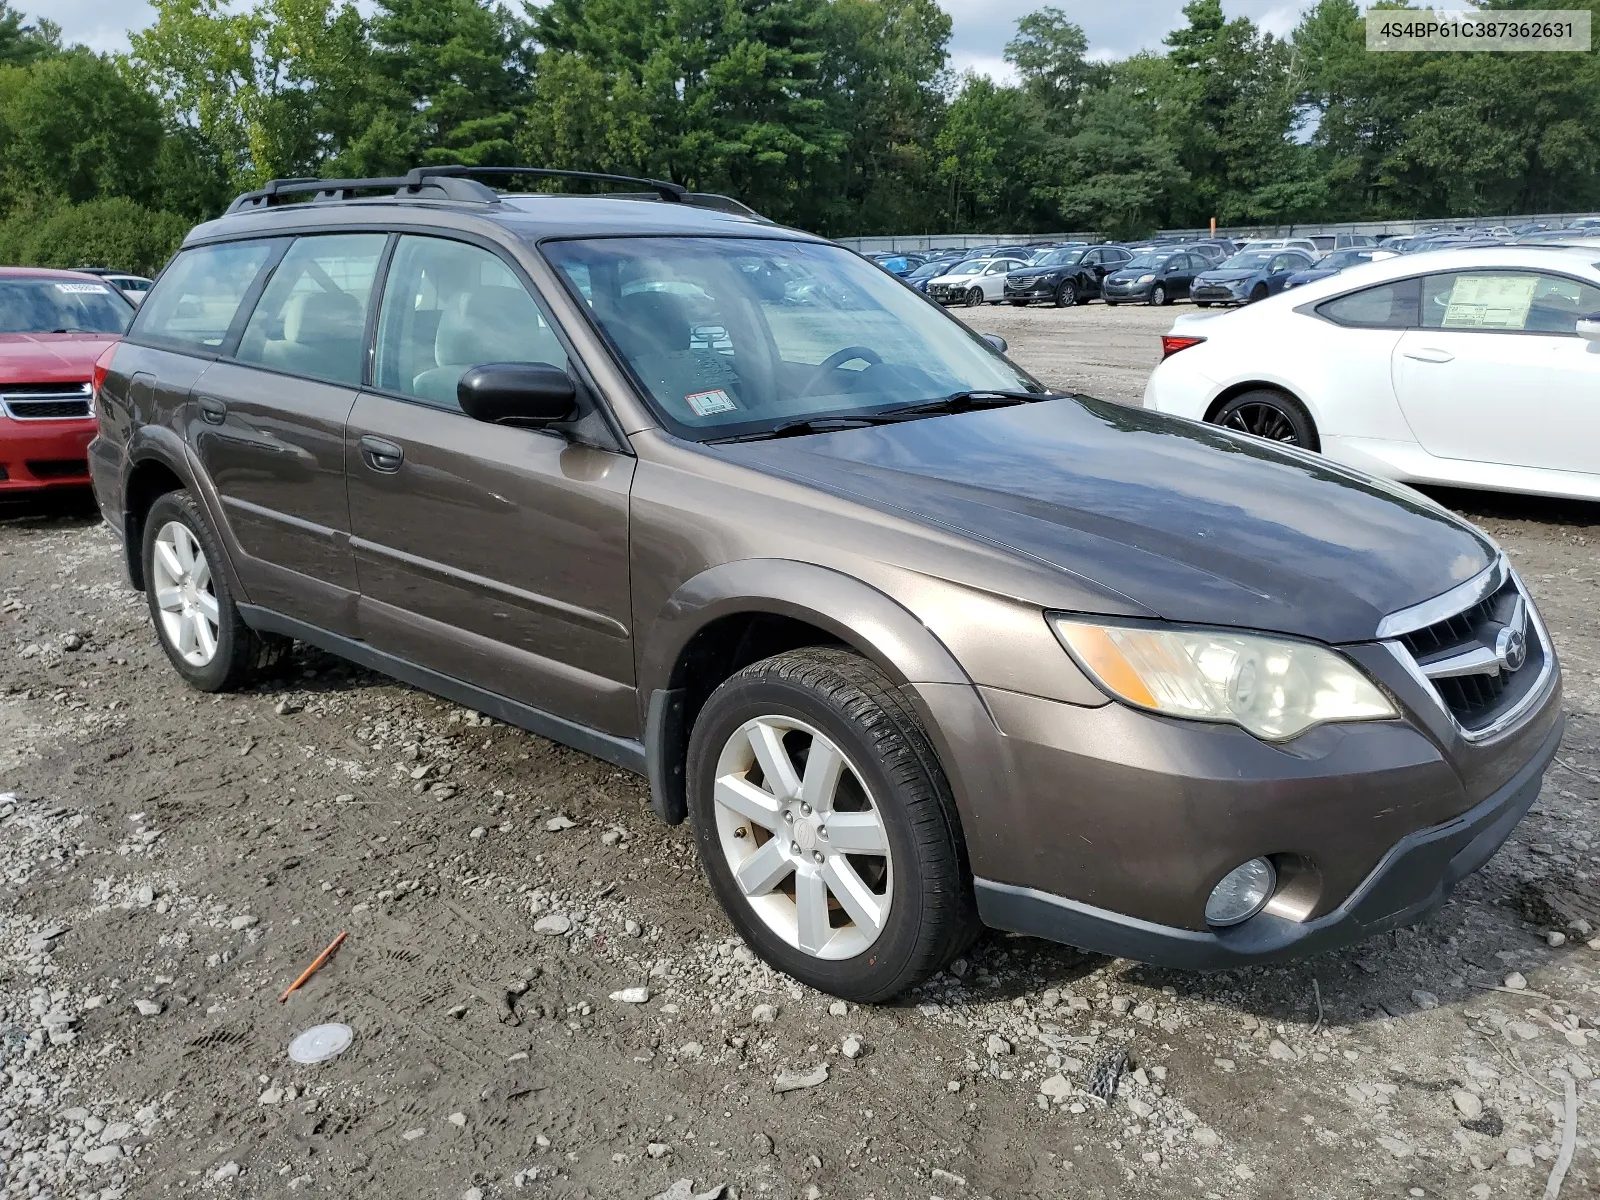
<point x="381" y="454"/>
<point x="1429" y="355"/>
<point x="213" y="412"/>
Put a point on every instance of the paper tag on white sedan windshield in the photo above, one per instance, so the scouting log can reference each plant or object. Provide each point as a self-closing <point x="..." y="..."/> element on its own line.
<point x="1490" y="302"/>
<point x="709" y="404"/>
<point x="83" y="289"/>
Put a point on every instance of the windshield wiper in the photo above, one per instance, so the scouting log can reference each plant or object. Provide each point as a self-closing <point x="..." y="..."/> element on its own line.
<point x="801" y="428"/>
<point x="969" y="401"/>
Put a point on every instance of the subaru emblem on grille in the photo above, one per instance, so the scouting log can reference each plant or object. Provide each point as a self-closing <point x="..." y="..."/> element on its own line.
<point x="1511" y="648"/>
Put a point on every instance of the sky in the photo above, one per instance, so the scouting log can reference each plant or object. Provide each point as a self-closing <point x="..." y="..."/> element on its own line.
<point x="1116" y="28"/>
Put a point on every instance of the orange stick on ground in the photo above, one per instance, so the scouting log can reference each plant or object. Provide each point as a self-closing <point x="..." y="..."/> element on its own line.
<point x="312" y="969"/>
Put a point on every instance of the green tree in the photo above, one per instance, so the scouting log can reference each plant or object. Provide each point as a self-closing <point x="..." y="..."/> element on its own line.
<point x="73" y="126"/>
<point x="22" y="44"/>
<point x="114" y="232"/>
<point x="1050" y="55"/>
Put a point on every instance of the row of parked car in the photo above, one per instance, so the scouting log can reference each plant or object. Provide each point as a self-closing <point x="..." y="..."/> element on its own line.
<point x="1211" y="272"/>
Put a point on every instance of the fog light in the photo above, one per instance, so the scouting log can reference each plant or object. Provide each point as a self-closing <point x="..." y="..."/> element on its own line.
<point x="1242" y="893"/>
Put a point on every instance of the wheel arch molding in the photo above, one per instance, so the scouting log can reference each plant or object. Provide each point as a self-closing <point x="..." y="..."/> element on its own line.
<point x="730" y="615"/>
<point x="157" y="458"/>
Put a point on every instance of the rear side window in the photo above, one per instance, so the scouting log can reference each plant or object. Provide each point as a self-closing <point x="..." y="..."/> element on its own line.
<point x="448" y="307"/>
<point x="1508" y="301"/>
<point x="312" y="318"/>
<point x="195" y="301"/>
<point x="1388" y="306"/>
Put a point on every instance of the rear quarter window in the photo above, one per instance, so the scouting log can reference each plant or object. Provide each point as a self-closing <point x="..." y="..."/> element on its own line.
<point x="1387" y="306"/>
<point x="194" y="303"/>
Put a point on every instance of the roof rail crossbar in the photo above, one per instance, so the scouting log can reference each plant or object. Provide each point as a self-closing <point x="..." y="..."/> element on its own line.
<point x="672" y="192"/>
<point x="276" y="192"/>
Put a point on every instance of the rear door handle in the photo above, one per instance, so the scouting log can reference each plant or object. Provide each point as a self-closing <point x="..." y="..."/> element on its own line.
<point x="1429" y="355"/>
<point x="213" y="412"/>
<point x="382" y="454"/>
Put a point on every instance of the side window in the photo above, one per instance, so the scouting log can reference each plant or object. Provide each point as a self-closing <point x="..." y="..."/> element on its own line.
<point x="198" y="296"/>
<point x="1388" y="306"/>
<point x="448" y="307"/>
<point x="1286" y="262"/>
<point x="1514" y="301"/>
<point x="312" y="317"/>
<point x="997" y="268"/>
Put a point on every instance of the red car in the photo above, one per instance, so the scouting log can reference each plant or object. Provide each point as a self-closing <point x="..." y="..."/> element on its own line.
<point x="53" y="326"/>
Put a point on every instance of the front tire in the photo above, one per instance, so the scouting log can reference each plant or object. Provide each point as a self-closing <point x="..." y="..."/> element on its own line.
<point x="1269" y="414"/>
<point x="191" y="604"/>
<point x="826" y="826"/>
<point x="975" y="298"/>
<point x="1066" y="294"/>
<point x="1158" y="296"/>
<point x="1259" y="294"/>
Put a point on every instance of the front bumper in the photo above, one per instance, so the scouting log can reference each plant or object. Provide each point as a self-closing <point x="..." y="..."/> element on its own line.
<point x="1411" y="880"/>
<point x="1033" y="289"/>
<point x="1219" y="293"/>
<point x="1117" y="293"/>
<point x="39" y="455"/>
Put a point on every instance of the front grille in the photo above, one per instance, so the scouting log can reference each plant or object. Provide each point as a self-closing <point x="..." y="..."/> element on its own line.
<point x="10" y="391"/>
<point x="1459" y="655"/>
<point x="58" y="468"/>
<point x="46" y="410"/>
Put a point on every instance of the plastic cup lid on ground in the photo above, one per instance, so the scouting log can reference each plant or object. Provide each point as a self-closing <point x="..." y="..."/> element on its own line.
<point x="320" y="1043"/>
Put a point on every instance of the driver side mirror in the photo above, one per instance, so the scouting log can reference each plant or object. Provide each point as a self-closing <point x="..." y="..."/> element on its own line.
<point x="998" y="342"/>
<point x="526" y="394"/>
<point x="1589" y="327"/>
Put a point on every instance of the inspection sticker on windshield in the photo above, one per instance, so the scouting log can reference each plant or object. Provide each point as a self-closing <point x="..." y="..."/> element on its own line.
<point x="709" y="404"/>
<point x="83" y="289"/>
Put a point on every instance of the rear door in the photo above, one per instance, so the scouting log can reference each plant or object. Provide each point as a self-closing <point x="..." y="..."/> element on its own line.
<point x="494" y="555"/>
<point x="268" y="425"/>
<point x="1498" y="373"/>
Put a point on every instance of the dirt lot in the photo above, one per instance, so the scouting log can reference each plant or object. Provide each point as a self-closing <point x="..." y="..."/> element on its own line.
<point x="172" y="861"/>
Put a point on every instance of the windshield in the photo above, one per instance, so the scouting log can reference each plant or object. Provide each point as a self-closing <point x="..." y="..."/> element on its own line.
<point x="930" y="270"/>
<point x="774" y="331"/>
<point x="968" y="268"/>
<point x="1249" y="260"/>
<point x="1341" y="259"/>
<point x="61" y="306"/>
<point x="1146" y="262"/>
<point x="1059" y="258"/>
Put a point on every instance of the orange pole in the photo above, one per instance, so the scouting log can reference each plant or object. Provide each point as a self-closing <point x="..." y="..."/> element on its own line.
<point x="313" y="968"/>
<point x="1213" y="227"/>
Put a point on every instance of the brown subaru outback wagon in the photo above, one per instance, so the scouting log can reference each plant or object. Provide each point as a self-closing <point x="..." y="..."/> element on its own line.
<point x="917" y="645"/>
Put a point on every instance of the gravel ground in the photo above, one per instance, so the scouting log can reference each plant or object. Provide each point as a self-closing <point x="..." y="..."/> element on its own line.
<point x="545" y="1002"/>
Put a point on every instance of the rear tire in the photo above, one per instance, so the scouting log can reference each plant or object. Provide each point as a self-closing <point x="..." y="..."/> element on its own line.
<point x="191" y="604"/>
<point x="1269" y="414"/>
<point x="886" y="789"/>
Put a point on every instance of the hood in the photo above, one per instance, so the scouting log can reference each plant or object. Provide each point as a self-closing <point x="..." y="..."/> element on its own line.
<point x="954" y="279"/>
<point x="1127" y="275"/>
<point x="50" y="357"/>
<point x="1187" y="521"/>
<point x="1231" y="275"/>
<point x="1310" y="275"/>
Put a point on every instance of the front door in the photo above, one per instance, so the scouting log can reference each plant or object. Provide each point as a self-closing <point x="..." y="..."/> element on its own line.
<point x="1498" y="373"/>
<point x="494" y="555"/>
<point x="269" y="427"/>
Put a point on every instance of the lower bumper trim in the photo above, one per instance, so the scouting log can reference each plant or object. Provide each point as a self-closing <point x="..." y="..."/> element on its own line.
<point x="1413" y="879"/>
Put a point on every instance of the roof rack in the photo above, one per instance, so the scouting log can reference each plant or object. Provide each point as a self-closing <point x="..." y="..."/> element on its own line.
<point x="451" y="182"/>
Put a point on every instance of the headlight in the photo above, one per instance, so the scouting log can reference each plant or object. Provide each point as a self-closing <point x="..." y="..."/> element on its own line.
<point x="1147" y="279"/>
<point x="1274" y="689"/>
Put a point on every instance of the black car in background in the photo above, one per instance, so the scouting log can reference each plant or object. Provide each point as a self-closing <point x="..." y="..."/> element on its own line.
<point x="1064" y="276"/>
<point x="1156" y="277"/>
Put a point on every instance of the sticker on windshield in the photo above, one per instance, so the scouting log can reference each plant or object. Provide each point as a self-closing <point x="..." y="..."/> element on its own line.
<point x="1490" y="302"/>
<point x="709" y="404"/>
<point x="83" y="289"/>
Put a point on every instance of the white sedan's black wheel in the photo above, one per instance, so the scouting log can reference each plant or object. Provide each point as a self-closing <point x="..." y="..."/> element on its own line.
<point x="1269" y="414"/>
<point x="826" y="826"/>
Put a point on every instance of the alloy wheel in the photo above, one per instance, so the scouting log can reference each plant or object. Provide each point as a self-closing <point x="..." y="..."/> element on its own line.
<point x="1066" y="295"/>
<point x="185" y="594"/>
<point x="1263" y="421"/>
<point x="975" y="298"/>
<point x="803" y="837"/>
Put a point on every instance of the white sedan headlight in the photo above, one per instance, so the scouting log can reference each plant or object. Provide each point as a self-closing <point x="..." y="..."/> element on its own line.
<point x="1275" y="689"/>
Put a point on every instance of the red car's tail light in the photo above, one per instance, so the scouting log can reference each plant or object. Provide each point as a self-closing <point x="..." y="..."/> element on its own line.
<point x="1171" y="343"/>
<point x="97" y="377"/>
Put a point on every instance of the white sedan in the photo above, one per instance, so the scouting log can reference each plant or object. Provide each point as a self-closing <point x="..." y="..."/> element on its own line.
<point x="974" y="282"/>
<point x="1474" y="368"/>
